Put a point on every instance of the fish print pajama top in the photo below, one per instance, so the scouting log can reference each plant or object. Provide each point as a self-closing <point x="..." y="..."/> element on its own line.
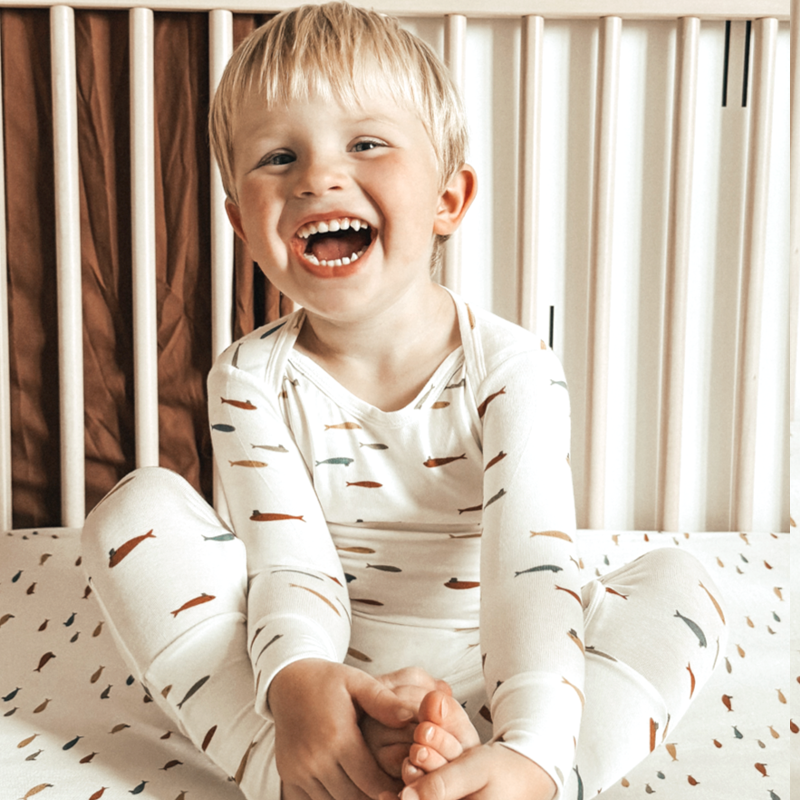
<point x="440" y="535"/>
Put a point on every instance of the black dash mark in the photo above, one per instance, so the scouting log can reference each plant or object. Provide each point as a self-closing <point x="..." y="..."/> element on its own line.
<point x="725" y="66"/>
<point x="552" y="320"/>
<point x="746" y="62"/>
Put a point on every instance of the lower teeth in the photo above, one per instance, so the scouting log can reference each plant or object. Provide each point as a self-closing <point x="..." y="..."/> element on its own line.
<point x="339" y="262"/>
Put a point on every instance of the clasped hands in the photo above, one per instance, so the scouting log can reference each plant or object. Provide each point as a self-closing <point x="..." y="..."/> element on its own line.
<point x="341" y="734"/>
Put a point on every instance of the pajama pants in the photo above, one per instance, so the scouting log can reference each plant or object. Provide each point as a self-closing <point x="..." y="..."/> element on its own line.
<point x="642" y="669"/>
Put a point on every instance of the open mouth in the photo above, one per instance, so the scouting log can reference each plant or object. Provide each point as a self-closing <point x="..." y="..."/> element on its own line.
<point x="335" y="242"/>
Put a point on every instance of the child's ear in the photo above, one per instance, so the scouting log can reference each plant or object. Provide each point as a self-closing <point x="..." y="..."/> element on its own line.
<point x="455" y="200"/>
<point x="235" y="217"/>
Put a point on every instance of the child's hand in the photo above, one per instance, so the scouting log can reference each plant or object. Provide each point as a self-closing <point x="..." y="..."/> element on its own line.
<point x="391" y="746"/>
<point x="317" y="706"/>
<point x="486" y="772"/>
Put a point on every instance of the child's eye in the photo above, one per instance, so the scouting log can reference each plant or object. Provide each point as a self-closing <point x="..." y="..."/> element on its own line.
<point x="277" y="159"/>
<point x="367" y="144"/>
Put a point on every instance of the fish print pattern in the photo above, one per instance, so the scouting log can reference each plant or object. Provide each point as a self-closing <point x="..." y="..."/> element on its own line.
<point x="98" y="719"/>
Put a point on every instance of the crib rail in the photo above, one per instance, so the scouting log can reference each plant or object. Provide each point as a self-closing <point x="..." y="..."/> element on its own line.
<point x="611" y="19"/>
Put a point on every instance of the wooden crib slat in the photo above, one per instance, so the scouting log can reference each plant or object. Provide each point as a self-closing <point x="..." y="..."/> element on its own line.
<point x="68" y="250"/>
<point x="530" y="113"/>
<point x="5" y="372"/>
<point x="220" y="50"/>
<point x="794" y="203"/>
<point x="143" y="236"/>
<point x="600" y="267"/>
<point x="678" y="232"/>
<point x="752" y="290"/>
<point x="455" y="45"/>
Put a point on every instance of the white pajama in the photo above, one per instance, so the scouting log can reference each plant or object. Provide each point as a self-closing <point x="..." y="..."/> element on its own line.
<point x="440" y="536"/>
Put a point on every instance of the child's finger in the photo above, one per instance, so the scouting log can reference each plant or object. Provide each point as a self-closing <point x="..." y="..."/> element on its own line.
<point x="410" y="773"/>
<point x="452" y="781"/>
<point x="426" y="758"/>
<point x="380" y="702"/>
<point x="439" y="740"/>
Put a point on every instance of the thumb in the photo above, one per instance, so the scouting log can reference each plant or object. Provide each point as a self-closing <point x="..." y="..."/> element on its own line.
<point x="379" y="702"/>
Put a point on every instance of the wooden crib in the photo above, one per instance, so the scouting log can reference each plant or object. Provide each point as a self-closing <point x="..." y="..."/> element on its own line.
<point x="633" y="160"/>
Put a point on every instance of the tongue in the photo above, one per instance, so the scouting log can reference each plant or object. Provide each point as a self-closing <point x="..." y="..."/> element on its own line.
<point x="330" y="246"/>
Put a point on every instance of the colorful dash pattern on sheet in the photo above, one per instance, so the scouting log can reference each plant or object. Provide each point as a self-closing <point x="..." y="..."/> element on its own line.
<point x="74" y="725"/>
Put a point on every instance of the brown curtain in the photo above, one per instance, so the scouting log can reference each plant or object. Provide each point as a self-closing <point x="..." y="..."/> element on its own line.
<point x="182" y="252"/>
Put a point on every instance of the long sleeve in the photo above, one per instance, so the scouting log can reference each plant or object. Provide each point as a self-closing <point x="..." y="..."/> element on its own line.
<point x="298" y="605"/>
<point x="531" y="611"/>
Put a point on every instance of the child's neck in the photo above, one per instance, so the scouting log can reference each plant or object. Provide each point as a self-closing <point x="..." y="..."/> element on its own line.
<point x="386" y="359"/>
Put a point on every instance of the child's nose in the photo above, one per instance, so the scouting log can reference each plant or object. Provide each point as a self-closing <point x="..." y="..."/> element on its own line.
<point x="320" y="176"/>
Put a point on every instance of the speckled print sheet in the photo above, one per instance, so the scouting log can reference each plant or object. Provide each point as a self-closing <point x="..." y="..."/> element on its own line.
<point x="74" y="726"/>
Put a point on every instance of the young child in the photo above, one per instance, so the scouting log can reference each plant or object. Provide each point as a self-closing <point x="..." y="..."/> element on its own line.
<point x="396" y="467"/>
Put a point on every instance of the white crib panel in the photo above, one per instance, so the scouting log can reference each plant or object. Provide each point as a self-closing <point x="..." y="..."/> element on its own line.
<point x="600" y="266"/>
<point x="679" y="231"/>
<point x="220" y="31"/>
<point x="68" y="249"/>
<point x="752" y="291"/>
<point x="773" y="417"/>
<point x="143" y="236"/>
<point x="528" y="179"/>
<point x="5" y="377"/>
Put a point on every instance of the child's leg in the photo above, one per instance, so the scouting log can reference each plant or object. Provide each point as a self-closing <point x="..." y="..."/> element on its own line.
<point x="172" y="583"/>
<point x="654" y="633"/>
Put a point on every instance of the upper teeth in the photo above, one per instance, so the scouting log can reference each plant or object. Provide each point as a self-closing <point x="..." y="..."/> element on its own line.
<point x="331" y="225"/>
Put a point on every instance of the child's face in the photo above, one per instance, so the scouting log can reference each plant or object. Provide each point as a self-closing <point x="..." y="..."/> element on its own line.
<point x="317" y="161"/>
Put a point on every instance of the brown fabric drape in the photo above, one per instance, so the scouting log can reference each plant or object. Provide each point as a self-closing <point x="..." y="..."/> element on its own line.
<point x="182" y="252"/>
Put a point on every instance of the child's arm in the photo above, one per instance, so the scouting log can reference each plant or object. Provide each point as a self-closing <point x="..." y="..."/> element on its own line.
<point x="298" y="606"/>
<point x="531" y="610"/>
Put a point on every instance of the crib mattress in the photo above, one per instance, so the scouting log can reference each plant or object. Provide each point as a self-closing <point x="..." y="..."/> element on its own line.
<point x="74" y="724"/>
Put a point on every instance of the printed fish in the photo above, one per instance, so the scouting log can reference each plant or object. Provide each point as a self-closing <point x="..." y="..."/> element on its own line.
<point x="119" y="727"/>
<point x="365" y="484"/>
<point x="540" y="568"/>
<point x="440" y="462"/>
<point x="571" y="593"/>
<point x="31" y="588"/>
<point x="99" y="793"/>
<point x="691" y="678"/>
<point x="223" y="428"/>
<point x="762" y="768"/>
<point x="43" y="625"/>
<point x="43" y="660"/>
<point x="695" y="629"/>
<point x="36" y="789"/>
<point x="44" y="558"/>
<point x="365" y="601"/>
<point x="454" y="583"/>
<point x="5" y="618"/>
<point x="106" y="692"/>
<point x="115" y="556"/>
<point x="270" y="642"/>
<point x="41" y="707"/>
<point x="343" y="426"/>
<point x="499" y="457"/>
<point x="138" y="789"/>
<point x="362" y="550"/>
<point x="460" y="385"/>
<point x="247" y="463"/>
<point x="726" y="701"/>
<point x="591" y="649"/>
<point x="243" y="764"/>
<point x="274" y="448"/>
<point x="34" y="756"/>
<point x="257" y="516"/>
<point x="272" y="330"/>
<point x="223" y="537"/>
<point x="196" y="688"/>
<point x="374" y="445"/>
<point x="471" y="508"/>
<point x="553" y="534"/>
<point x="692" y="781"/>
<point x="653" y="729"/>
<point x="671" y="749"/>
<point x="384" y="568"/>
<point x="208" y="737"/>
<point x="343" y="460"/>
<point x="494" y="499"/>
<point x="714" y="601"/>
<point x="558" y="383"/>
<point x="572" y="633"/>
<point x="317" y="594"/>
<point x="70" y="744"/>
<point x="580" y="693"/>
<point x="351" y="651"/>
<point x="196" y="601"/>
<point x="482" y="407"/>
<point x="11" y="695"/>
<point x="99" y="629"/>
<point x="70" y="620"/>
<point x="170" y="764"/>
<point x="245" y="405"/>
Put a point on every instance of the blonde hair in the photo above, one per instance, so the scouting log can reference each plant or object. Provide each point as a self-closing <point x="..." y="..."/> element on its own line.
<point x="339" y="51"/>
